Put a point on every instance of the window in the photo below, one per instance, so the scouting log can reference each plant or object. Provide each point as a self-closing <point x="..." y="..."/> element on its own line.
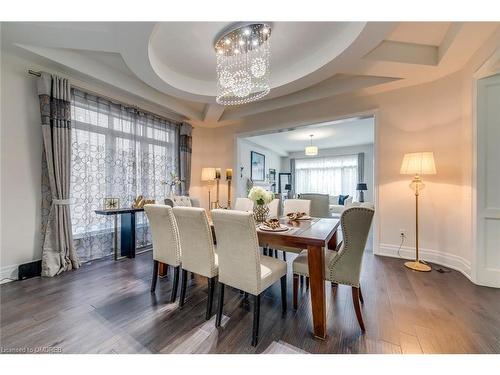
<point x="331" y="175"/>
<point x="117" y="152"/>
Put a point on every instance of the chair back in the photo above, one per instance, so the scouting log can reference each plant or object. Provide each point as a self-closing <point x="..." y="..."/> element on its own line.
<point x="243" y="204"/>
<point x="345" y="268"/>
<point x="198" y="253"/>
<point x="166" y="242"/>
<point x="320" y="204"/>
<point x="237" y="249"/>
<point x="296" y="205"/>
<point x="182" y="200"/>
<point x="274" y="209"/>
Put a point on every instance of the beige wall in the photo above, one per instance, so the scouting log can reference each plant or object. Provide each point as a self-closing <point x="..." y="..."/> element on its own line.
<point x="431" y="117"/>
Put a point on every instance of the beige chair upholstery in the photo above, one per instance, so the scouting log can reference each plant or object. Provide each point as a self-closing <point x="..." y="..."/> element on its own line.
<point x="320" y="204"/>
<point x="274" y="209"/>
<point x="198" y="252"/>
<point x="182" y="200"/>
<point x="296" y="205"/>
<point x="240" y="263"/>
<point x="166" y="243"/>
<point x="243" y="204"/>
<point x="344" y="266"/>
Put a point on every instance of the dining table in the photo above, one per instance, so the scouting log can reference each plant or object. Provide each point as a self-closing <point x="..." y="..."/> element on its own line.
<point x="315" y="235"/>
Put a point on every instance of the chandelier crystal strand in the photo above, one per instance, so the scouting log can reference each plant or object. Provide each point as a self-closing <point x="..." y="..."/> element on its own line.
<point x="243" y="64"/>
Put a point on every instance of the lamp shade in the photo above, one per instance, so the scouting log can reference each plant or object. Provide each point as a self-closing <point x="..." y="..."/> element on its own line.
<point x="311" y="151"/>
<point x="208" y="174"/>
<point x="418" y="163"/>
<point x="361" y="186"/>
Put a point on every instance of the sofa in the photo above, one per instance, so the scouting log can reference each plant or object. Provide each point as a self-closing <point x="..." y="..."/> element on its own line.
<point x="336" y="208"/>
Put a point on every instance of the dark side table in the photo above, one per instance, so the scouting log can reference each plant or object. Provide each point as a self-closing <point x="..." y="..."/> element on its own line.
<point x="127" y="230"/>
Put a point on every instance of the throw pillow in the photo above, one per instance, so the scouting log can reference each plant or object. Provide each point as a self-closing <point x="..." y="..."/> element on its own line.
<point x="342" y="199"/>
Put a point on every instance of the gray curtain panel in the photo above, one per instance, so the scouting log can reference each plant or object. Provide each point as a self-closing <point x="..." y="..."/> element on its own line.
<point x="185" y="150"/>
<point x="292" y="171"/>
<point x="58" y="253"/>
<point x="361" y="167"/>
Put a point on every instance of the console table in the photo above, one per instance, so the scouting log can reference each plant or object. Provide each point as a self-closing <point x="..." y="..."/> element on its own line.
<point x="127" y="230"/>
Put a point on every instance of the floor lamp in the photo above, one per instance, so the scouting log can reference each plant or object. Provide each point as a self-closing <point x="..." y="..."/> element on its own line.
<point x="418" y="164"/>
<point x="208" y="175"/>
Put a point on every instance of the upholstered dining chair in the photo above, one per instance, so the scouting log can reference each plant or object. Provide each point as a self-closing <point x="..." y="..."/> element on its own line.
<point x="198" y="251"/>
<point x="243" y="204"/>
<point x="274" y="209"/>
<point x="289" y="206"/>
<point x="296" y="205"/>
<point x="320" y="204"/>
<point x="344" y="266"/>
<point x="166" y="243"/>
<point x="240" y="263"/>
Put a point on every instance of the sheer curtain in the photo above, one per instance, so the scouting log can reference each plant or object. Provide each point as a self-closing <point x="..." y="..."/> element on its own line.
<point x="331" y="175"/>
<point x="118" y="152"/>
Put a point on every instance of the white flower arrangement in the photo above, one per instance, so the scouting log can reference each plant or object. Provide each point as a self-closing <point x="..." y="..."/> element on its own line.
<point x="260" y="196"/>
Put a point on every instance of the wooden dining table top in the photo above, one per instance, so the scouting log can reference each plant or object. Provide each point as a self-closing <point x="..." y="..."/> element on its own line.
<point x="301" y="233"/>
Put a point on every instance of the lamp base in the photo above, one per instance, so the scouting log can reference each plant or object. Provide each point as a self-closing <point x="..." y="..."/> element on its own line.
<point x="417" y="266"/>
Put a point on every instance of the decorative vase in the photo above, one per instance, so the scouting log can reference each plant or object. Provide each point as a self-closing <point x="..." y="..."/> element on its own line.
<point x="260" y="212"/>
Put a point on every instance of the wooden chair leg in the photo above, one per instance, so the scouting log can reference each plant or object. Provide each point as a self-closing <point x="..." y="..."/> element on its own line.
<point x="283" y="294"/>
<point x="357" y="307"/>
<point x="264" y="250"/>
<point x="361" y="296"/>
<point x="183" y="287"/>
<point x="192" y="275"/>
<point x="307" y="282"/>
<point x="155" y="276"/>
<point x="284" y="256"/>
<point x="218" y="318"/>
<point x="276" y="254"/>
<point x="175" y="284"/>
<point x="301" y="281"/>
<point x="256" y="317"/>
<point x="210" y="300"/>
<point x="295" y="290"/>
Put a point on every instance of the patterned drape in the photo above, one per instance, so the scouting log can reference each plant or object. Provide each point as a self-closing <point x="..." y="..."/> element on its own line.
<point x="118" y="152"/>
<point x="185" y="144"/>
<point x="58" y="253"/>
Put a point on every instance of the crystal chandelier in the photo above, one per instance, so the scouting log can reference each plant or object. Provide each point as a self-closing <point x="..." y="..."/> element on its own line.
<point x="243" y="64"/>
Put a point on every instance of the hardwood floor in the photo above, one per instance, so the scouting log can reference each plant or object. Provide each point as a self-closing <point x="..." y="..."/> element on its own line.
<point x="106" y="307"/>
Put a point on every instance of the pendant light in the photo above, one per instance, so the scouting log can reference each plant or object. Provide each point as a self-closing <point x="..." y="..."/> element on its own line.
<point x="311" y="150"/>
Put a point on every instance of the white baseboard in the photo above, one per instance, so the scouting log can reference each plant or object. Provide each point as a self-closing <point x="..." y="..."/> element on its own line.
<point x="8" y="272"/>
<point x="445" y="259"/>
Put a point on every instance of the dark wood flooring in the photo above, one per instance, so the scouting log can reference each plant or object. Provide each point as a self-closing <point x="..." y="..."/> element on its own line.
<point x="106" y="307"/>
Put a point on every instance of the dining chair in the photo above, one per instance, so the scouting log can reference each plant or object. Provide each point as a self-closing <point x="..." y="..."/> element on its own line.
<point x="296" y="205"/>
<point x="197" y="250"/>
<point x="289" y="206"/>
<point x="243" y="204"/>
<point x="166" y="243"/>
<point x="344" y="266"/>
<point x="274" y="209"/>
<point x="320" y="204"/>
<point x="240" y="263"/>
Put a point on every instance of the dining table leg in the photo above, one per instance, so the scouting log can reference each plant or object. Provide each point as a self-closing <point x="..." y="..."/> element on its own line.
<point x="316" y="259"/>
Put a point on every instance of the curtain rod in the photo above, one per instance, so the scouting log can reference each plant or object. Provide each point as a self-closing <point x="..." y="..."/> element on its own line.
<point x="113" y="100"/>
